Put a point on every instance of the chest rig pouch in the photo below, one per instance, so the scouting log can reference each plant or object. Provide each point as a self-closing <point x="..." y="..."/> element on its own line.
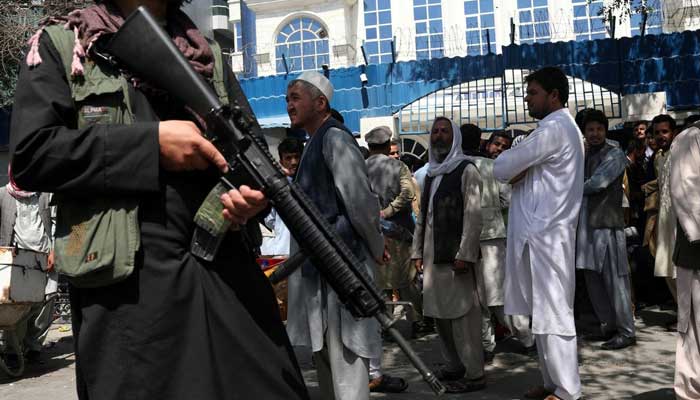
<point x="97" y="237"/>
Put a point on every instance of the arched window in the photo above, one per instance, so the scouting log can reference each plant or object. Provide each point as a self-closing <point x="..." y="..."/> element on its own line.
<point x="304" y="43"/>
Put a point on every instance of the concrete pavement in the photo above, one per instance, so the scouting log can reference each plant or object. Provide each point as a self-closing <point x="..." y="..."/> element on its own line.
<point x="642" y="372"/>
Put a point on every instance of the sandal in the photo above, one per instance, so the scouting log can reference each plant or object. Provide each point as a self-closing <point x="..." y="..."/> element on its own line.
<point x="387" y="384"/>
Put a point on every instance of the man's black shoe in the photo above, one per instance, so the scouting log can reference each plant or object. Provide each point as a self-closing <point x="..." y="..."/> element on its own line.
<point x="387" y="384"/>
<point x="445" y="374"/>
<point x="488" y="357"/>
<point x="598" y="337"/>
<point x="33" y="357"/>
<point x="421" y="329"/>
<point x="618" y="342"/>
<point x="530" y="351"/>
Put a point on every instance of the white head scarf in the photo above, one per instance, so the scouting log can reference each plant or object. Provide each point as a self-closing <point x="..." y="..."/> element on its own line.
<point x="454" y="157"/>
<point x="437" y="169"/>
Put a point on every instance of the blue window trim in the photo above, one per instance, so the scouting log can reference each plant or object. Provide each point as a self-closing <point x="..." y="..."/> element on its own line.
<point x="478" y="24"/>
<point x="533" y="19"/>
<point x="303" y="45"/>
<point x="587" y="24"/>
<point x="654" y="18"/>
<point x="378" y="33"/>
<point x="238" y="33"/>
<point x="429" y="43"/>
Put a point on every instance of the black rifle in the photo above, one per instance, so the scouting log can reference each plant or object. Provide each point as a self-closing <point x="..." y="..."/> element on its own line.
<point x="141" y="47"/>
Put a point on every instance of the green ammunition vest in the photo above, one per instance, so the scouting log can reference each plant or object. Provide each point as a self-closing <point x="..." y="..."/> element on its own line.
<point x="97" y="237"/>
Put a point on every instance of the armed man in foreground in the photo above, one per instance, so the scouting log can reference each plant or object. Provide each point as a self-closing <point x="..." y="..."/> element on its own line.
<point x="333" y="174"/>
<point x="129" y="167"/>
<point x="546" y="171"/>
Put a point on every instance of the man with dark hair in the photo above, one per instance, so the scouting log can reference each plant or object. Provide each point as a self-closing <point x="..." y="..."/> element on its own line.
<point x="495" y="197"/>
<point x="552" y="81"/>
<point x="289" y="151"/>
<point x="446" y="249"/>
<point x="173" y="325"/>
<point x="639" y="130"/>
<point x="333" y="174"/>
<point x="391" y="180"/>
<point x="498" y="143"/>
<point x="395" y="149"/>
<point x="546" y="171"/>
<point x="664" y="129"/>
<point x="601" y="250"/>
<point x="471" y="139"/>
<point x="581" y="115"/>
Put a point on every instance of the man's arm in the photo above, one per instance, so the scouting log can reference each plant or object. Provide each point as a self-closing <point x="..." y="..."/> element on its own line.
<point x="418" y="239"/>
<point x="504" y="194"/>
<point x="471" y="216"/>
<point x="344" y="160"/>
<point x="607" y="172"/>
<point x="405" y="197"/>
<point x="49" y="154"/>
<point x="535" y="149"/>
<point x="685" y="181"/>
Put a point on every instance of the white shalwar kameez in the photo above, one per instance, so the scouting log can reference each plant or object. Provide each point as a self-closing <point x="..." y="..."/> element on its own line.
<point x="542" y="220"/>
<point x="685" y="194"/>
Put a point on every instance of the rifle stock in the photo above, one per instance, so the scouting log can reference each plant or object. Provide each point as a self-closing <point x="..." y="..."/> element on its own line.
<point x="145" y="50"/>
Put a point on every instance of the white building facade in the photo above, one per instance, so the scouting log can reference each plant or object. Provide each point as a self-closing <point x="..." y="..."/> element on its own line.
<point x="296" y="35"/>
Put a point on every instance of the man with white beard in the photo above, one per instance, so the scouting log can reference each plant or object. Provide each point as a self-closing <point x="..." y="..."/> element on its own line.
<point x="446" y="249"/>
<point x="546" y="171"/>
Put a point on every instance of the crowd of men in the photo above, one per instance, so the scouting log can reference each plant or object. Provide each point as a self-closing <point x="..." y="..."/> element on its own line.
<point x="490" y="234"/>
<point x="131" y="171"/>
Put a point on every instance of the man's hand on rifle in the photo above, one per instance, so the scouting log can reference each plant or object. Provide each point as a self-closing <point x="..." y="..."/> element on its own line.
<point x="242" y="204"/>
<point x="183" y="148"/>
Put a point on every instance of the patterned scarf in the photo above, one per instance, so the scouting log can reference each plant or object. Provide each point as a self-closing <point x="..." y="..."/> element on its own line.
<point x="90" y="23"/>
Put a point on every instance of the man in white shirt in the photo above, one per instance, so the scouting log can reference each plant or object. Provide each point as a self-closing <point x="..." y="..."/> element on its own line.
<point x="289" y="151"/>
<point x="546" y="171"/>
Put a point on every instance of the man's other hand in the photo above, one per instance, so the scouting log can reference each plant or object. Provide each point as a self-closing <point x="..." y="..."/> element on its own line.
<point x="183" y="148"/>
<point x="518" y="177"/>
<point x="242" y="204"/>
<point x="418" y="264"/>
<point x="460" y="267"/>
<point x="50" y="261"/>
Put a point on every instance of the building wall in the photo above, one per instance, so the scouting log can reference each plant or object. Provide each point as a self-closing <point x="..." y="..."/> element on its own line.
<point x="344" y="20"/>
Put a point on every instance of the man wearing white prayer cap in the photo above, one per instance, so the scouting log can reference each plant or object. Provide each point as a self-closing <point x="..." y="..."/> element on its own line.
<point x="333" y="174"/>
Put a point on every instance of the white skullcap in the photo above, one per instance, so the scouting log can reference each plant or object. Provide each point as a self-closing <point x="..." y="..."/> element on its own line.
<point x="319" y="81"/>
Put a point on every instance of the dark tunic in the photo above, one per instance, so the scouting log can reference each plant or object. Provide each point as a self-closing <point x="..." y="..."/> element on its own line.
<point x="178" y="328"/>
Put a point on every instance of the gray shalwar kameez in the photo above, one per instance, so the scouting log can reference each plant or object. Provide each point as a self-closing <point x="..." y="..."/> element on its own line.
<point x="602" y="253"/>
<point x="451" y="298"/>
<point x="341" y="344"/>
